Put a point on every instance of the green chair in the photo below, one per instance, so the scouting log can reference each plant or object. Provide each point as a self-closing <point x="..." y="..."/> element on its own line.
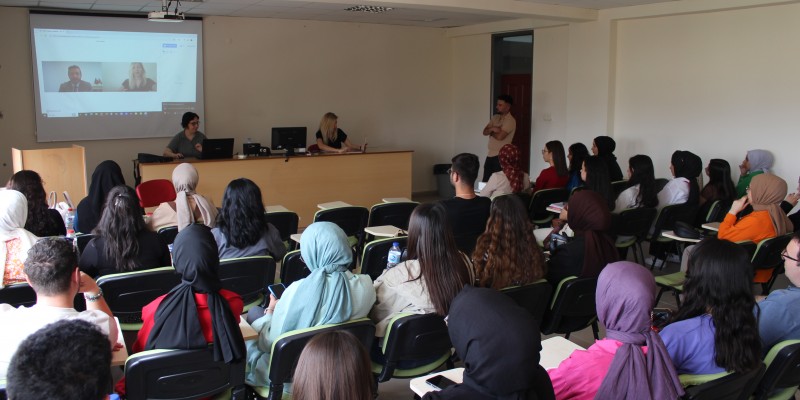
<point x="573" y="307"/>
<point x="413" y="337"/>
<point x="533" y="297"/>
<point x="352" y="220"/>
<point x="287" y="348"/>
<point x="128" y="292"/>
<point x="768" y="257"/>
<point x="374" y="257"/>
<point x="183" y="374"/>
<point x="167" y="234"/>
<point x="665" y="221"/>
<point x="293" y="268"/>
<point x="673" y="282"/>
<point x="722" y="386"/>
<point x="248" y="277"/>
<point x="782" y="376"/>
<point x="633" y="225"/>
<point x="18" y="294"/>
<point x="286" y="222"/>
<point x="537" y="208"/>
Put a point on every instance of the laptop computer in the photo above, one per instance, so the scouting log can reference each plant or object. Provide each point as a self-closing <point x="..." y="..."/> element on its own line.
<point x="217" y="148"/>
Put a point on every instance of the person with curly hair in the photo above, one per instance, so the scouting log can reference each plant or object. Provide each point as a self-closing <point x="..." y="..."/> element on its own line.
<point x="42" y="221"/>
<point x="506" y="254"/>
<point x="715" y="329"/>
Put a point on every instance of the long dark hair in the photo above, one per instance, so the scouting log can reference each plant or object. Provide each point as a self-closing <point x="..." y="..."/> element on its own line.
<point x="642" y="174"/>
<point x="431" y="243"/>
<point x="29" y="183"/>
<point x="597" y="179"/>
<point x="242" y="219"/>
<point x="579" y="153"/>
<point x="119" y="226"/>
<point x="718" y="282"/>
<point x="333" y="365"/>
<point x="506" y="254"/>
<point x="556" y="150"/>
<point x="688" y="165"/>
<point x="719" y="177"/>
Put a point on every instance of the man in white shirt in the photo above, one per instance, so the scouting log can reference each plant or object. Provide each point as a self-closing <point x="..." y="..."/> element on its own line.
<point x="52" y="271"/>
<point x="500" y="131"/>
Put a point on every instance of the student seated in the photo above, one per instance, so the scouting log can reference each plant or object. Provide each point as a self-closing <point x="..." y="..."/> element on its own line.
<point x="51" y="270"/>
<point x="330" y="295"/>
<point x="576" y="153"/>
<point x="431" y="277"/>
<point x="334" y="365"/>
<point x="466" y="212"/>
<point x="631" y="362"/>
<point x="499" y="342"/>
<point x="789" y="203"/>
<point x="15" y="240"/>
<point x="507" y="254"/>
<point x="555" y="176"/>
<point x="641" y="186"/>
<point x="683" y="188"/>
<point x="720" y="186"/>
<point x="603" y="147"/>
<point x="715" y="330"/>
<point x="755" y="162"/>
<point x="122" y="242"/>
<point x="105" y="177"/>
<point x="512" y="179"/>
<point x="779" y="318"/>
<point x="42" y="221"/>
<point x="188" y="207"/>
<point x="242" y="229"/>
<point x="66" y="360"/>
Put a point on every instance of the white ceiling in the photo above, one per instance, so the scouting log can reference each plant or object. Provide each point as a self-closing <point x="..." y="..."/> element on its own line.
<point x="427" y="13"/>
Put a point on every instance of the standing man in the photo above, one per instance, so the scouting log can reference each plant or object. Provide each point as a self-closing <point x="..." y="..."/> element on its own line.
<point x="500" y="130"/>
<point x="75" y="84"/>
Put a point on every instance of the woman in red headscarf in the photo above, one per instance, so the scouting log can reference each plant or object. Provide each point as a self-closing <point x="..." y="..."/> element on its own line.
<point x="511" y="179"/>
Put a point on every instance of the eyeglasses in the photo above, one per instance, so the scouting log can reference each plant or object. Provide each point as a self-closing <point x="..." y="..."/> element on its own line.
<point x="195" y="123"/>
<point x="449" y="171"/>
<point x="544" y="151"/>
<point x="785" y="256"/>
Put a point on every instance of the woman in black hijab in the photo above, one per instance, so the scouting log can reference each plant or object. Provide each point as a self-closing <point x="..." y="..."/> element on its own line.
<point x="603" y="147"/>
<point x="90" y="209"/>
<point x="180" y="316"/>
<point x="496" y="366"/>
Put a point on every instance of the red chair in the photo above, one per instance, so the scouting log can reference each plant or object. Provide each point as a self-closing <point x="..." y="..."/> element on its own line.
<point x="152" y="193"/>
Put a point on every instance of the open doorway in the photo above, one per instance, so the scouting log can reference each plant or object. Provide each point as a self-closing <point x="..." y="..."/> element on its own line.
<point x="512" y="72"/>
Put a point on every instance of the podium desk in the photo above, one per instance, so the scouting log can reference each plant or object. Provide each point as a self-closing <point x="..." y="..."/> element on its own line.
<point x="302" y="182"/>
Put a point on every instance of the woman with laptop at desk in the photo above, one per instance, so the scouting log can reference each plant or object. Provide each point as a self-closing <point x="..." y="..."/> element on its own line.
<point x="188" y="143"/>
<point x="331" y="138"/>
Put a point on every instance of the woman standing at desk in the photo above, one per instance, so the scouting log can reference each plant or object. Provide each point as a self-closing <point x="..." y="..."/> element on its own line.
<point x="331" y="138"/>
<point x="188" y="143"/>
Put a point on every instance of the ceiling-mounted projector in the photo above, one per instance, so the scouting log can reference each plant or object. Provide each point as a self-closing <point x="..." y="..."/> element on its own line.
<point x="165" y="15"/>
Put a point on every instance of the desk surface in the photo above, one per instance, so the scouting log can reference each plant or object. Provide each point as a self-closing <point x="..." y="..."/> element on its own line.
<point x="673" y="236"/>
<point x="383" y="230"/>
<point x="300" y="183"/>
<point x="712" y="226"/>
<point x="554" y="350"/>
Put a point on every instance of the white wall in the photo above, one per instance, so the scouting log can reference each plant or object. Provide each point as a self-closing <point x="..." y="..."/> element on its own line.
<point x="550" y="56"/>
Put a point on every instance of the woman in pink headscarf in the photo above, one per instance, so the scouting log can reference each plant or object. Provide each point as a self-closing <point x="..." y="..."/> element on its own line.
<point x="511" y="179"/>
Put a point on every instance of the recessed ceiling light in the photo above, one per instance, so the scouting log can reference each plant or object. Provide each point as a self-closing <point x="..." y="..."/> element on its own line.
<point x="369" y="9"/>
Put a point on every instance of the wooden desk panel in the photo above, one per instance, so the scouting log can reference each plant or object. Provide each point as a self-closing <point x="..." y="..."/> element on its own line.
<point x="302" y="182"/>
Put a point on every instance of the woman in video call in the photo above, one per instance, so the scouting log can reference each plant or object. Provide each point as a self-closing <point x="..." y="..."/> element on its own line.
<point x="188" y="143"/>
<point x="138" y="80"/>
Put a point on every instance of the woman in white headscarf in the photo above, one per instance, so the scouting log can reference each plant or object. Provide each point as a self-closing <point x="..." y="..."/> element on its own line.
<point x="14" y="239"/>
<point x="188" y="207"/>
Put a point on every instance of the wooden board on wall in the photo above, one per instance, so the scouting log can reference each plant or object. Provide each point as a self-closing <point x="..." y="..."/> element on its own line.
<point x="300" y="183"/>
<point x="61" y="169"/>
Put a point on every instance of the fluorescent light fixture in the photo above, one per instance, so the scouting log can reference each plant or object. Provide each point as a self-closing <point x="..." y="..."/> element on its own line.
<point x="369" y="9"/>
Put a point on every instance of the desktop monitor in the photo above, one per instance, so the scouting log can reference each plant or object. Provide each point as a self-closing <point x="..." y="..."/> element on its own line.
<point x="289" y="139"/>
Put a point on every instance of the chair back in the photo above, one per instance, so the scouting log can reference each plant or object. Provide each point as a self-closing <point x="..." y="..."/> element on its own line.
<point x="660" y="183"/>
<point x="633" y="222"/>
<point x="82" y="240"/>
<point x="712" y="212"/>
<point x="287" y="348"/>
<point x="375" y="256"/>
<point x="618" y="187"/>
<point x="414" y="337"/>
<point x="154" y="192"/>
<point x="247" y="276"/>
<point x="768" y="252"/>
<point x="573" y="306"/>
<point x="396" y="214"/>
<point x="293" y="268"/>
<point x="671" y="214"/>
<point x="736" y="386"/>
<point x="537" y="209"/>
<point x="352" y="219"/>
<point x="167" y="234"/>
<point x="533" y="297"/>
<point x="18" y="294"/>
<point x="182" y="374"/>
<point x="126" y="293"/>
<point x="285" y="221"/>
<point x="782" y="374"/>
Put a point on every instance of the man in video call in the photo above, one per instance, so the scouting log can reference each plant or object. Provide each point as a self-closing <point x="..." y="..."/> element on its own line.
<point x="75" y="84"/>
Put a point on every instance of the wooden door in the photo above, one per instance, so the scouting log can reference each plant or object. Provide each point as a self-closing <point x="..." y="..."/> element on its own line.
<point x="518" y="86"/>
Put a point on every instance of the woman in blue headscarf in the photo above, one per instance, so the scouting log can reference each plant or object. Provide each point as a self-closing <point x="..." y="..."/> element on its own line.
<point x="330" y="295"/>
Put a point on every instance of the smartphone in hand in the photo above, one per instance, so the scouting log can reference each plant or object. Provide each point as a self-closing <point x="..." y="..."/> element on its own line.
<point x="276" y="290"/>
<point x="439" y="382"/>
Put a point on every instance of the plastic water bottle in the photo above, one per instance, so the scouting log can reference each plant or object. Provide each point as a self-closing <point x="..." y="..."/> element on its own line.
<point x="394" y="255"/>
<point x="69" y="219"/>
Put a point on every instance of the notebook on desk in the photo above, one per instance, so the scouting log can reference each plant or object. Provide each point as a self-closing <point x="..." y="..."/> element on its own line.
<point x="217" y="148"/>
